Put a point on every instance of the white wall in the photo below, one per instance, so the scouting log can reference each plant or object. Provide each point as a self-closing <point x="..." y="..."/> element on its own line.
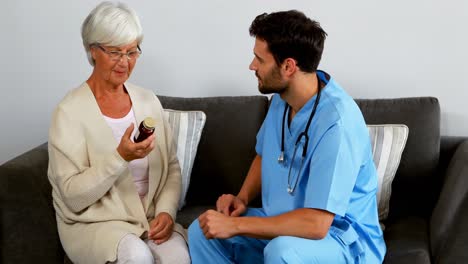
<point x="375" y="49"/>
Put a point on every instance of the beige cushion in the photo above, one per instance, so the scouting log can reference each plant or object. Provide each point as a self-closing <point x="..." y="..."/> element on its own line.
<point x="388" y="142"/>
<point x="187" y="127"/>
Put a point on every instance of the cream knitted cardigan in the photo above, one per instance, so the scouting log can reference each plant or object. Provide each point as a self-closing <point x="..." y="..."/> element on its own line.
<point x="95" y="199"/>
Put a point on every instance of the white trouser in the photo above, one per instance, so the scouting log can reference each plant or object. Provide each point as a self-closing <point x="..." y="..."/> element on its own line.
<point x="133" y="249"/>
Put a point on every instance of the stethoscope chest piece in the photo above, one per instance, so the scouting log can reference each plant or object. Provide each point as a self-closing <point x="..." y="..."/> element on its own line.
<point x="281" y="158"/>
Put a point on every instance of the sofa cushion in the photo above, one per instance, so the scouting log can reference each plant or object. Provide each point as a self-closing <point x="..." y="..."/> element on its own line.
<point x="448" y="221"/>
<point x="227" y="144"/>
<point x="388" y="142"/>
<point x="417" y="170"/>
<point x="187" y="127"/>
<point x="26" y="211"/>
<point x="407" y="242"/>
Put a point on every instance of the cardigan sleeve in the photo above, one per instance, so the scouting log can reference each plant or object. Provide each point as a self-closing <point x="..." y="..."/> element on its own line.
<point x="78" y="184"/>
<point x="168" y="200"/>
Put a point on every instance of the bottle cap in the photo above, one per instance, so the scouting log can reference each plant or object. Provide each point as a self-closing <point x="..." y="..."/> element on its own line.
<point x="149" y="123"/>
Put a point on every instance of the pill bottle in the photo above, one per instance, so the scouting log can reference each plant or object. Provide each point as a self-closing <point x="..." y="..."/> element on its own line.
<point x="145" y="129"/>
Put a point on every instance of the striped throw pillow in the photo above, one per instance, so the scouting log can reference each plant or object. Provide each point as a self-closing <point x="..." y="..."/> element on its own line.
<point x="187" y="128"/>
<point x="388" y="142"/>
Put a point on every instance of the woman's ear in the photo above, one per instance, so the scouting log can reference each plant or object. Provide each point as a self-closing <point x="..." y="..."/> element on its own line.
<point x="92" y="51"/>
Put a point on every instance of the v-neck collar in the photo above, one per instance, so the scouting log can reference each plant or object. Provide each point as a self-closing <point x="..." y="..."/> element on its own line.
<point x="293" y="128"/>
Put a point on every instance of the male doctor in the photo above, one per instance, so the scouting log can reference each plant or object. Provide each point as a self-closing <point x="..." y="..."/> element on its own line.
<point x="314" y="166"/>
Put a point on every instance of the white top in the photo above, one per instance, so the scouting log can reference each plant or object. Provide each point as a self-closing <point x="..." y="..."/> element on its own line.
<point x="138" y="167"/>
<point x="93" y="189"/>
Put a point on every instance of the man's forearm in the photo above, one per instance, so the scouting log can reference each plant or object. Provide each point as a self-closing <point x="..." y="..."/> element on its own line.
<point x="305" y="222"/>
<point x="253" y="182"/>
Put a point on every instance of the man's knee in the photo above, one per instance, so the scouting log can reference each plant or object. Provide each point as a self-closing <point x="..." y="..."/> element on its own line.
<point x="280" y="250"/>
<point x="194" y="231"/>
<point x="287" y="249"/>
<point x="276" y="249"/>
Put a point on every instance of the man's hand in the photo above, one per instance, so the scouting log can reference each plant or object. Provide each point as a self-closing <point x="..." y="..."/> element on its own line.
<point x="230" y="205"/>
<point x="129" y="150"/>
<point x="217" y="225"/>
<point x="161" y="228"/>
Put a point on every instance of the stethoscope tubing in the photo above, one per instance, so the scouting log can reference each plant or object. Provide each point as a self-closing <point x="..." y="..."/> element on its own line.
<point x="303" y="133"/>
<point x="290" y="188"/>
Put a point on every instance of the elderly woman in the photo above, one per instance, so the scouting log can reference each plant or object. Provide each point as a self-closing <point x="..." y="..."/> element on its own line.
<point x="115" y="200"/>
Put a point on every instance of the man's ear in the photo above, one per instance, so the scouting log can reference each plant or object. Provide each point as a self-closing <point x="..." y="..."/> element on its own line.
<point x="290" y="66"/>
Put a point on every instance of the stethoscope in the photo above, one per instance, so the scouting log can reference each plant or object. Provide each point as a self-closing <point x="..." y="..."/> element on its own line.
<point x="290" y="188"/>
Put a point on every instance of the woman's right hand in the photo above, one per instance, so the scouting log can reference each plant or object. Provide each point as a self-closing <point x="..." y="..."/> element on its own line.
<point x="129" y="150"/>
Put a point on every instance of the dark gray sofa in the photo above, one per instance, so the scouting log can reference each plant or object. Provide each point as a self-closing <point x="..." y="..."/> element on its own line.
<point x="428" y="207"/>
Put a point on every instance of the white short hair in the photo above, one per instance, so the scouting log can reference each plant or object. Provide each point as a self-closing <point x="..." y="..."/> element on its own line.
<point x="110" y="24"/>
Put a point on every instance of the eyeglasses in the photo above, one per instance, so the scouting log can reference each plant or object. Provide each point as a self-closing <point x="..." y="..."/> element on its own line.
<point x="117" y="55"/>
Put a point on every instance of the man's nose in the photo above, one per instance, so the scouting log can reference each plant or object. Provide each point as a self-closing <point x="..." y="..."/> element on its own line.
<point x="252" y="67"/>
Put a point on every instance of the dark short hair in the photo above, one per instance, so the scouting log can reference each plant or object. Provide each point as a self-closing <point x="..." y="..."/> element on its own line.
<point x="290" y="34"/>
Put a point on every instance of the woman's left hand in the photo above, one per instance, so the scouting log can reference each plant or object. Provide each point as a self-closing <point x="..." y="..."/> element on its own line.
<point x="161" y="228"/>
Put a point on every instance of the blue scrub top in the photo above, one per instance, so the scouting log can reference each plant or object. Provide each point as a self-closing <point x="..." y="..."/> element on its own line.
<point x="338" y="173"/>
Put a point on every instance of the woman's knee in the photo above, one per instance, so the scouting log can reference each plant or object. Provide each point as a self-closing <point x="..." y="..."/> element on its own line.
<point x="132" y="249"/>
<point x="140" y="256"/>
<point x="174" y="250"/>
<point x="178" y="255"/>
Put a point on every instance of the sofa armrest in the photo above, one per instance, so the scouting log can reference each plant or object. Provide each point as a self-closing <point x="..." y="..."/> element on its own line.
<point x="28" y="230"/>
<point x="448" y="229"/>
